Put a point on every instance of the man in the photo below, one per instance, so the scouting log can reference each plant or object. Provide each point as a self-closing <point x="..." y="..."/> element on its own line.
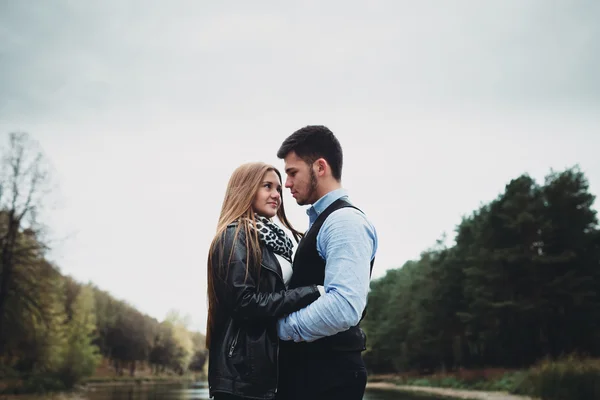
<point x="320" y="353"/>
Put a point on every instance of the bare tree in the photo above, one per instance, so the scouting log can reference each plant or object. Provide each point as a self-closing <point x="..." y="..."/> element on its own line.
<point x="24" y="185"/>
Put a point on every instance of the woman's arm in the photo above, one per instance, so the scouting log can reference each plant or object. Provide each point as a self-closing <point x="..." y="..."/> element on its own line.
<point x="246" y="302"/>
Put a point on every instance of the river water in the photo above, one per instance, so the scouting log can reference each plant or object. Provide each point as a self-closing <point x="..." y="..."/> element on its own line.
<point x="192" y="392"/>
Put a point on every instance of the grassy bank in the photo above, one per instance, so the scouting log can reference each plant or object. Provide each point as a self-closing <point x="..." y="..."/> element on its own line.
<point x="14" y="384"/>
<point x="500" y="380"/>
<point x="46" y="385"/>
<point x="572" y="377"/>
<point x="49" y="396"/>
<point x="445" y="393"/>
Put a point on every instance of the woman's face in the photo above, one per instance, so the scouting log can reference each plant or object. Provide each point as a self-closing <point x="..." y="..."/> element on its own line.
<point x="268" y="197"/>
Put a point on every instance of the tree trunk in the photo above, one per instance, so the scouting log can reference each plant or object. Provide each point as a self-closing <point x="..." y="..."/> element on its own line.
<point x="6" y="272"/>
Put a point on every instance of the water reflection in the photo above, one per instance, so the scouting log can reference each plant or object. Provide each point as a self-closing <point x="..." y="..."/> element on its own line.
<point x="192" y="392"/>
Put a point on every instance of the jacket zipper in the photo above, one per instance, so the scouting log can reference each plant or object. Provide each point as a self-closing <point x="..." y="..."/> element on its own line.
<point x="234" y="343"/>
<point x="277" y="363"/>
<point x="276" y="273"/>
<point x="277" y="370"/>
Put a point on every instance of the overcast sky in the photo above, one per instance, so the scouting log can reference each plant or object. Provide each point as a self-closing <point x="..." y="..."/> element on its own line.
<point x="146" y="107"/>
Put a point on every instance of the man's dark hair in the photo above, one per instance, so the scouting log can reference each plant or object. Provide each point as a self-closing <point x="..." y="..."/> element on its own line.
<point x="313" y="142"/>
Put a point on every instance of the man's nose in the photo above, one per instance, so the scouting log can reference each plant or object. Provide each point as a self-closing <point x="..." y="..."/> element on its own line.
<point x="288" y="183"/>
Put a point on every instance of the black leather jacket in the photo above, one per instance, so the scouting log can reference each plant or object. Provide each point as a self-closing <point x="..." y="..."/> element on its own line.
<point x="244" y="349"/>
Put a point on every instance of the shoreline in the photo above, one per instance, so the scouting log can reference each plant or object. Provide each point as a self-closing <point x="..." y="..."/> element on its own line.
<point x="136" y="381"/>
<point x="447" y="392"/>
<point x="79" y="389"/>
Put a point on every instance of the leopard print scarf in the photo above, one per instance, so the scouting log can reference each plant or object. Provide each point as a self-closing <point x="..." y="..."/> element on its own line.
<point x="274" y="237"/>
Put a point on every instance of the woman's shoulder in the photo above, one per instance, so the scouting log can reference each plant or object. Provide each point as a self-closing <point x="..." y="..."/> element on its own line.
<point x="233" y="224"/>
<point x="233" y="227"/>
<point x="233" y="232"/>
<point x="231" y="240"/>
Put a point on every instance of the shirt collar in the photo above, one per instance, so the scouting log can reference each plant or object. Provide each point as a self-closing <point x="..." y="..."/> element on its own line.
<point x="320" y="205"/>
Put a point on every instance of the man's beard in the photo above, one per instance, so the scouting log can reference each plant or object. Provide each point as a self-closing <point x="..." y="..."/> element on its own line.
<point x="312" y="190"/>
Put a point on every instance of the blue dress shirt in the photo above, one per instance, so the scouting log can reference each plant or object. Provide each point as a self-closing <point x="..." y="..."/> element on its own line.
<point x="347" y="241"/>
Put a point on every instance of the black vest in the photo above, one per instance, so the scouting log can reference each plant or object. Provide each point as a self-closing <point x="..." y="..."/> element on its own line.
<point x="309" y="269"/>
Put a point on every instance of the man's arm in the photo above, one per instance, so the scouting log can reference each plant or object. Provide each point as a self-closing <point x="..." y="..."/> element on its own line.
<point x="347" y="242"/>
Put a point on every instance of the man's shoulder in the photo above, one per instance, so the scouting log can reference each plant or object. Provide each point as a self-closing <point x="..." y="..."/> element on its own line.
<point x="349" y="214"/>
<point x="346" y="224"/>
<point x="349" y="210"/>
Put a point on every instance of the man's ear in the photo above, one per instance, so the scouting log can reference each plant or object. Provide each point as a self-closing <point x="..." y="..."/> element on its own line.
<point x="321" y="166"/>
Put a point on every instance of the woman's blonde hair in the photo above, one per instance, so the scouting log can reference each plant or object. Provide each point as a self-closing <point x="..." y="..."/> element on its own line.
<point x="237" y="207"/>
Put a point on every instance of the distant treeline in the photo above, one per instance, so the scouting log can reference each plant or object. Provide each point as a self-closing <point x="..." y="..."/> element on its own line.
<point x="53" y="330"/>
<point x="521" y="283"/>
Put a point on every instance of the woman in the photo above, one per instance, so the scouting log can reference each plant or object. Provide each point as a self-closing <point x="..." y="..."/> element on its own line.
<point x="249" y="264"/>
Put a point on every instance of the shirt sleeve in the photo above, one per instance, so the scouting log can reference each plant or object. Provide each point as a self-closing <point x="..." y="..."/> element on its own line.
<point x="347" y="241"/>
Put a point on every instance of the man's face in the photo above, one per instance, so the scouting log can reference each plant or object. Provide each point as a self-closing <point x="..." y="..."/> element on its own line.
<point x="301" y="179"/>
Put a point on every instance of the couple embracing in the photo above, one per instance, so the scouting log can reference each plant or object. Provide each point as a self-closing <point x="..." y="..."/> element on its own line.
<point x="281" y="324"/>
